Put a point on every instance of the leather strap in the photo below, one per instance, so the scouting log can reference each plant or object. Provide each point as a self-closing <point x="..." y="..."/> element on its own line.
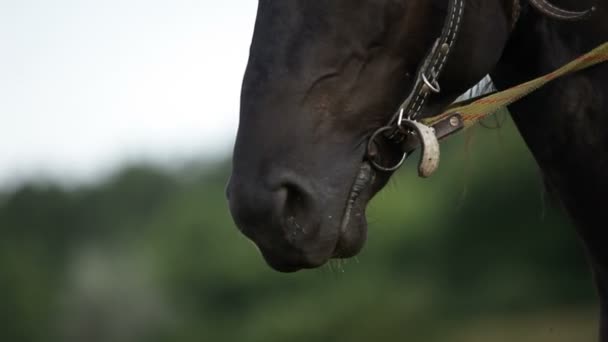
<point x="431" y="68"/>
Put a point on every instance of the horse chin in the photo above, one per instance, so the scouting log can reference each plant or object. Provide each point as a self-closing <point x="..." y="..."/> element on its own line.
<point x="353" y="226"/>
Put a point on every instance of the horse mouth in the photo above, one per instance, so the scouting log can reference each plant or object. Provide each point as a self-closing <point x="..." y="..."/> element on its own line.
<point x="353" y="225"/>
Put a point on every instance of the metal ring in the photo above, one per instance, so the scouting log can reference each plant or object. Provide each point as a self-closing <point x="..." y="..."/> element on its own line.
<point x="372" y="157"/>
<point x="435" y="88"/>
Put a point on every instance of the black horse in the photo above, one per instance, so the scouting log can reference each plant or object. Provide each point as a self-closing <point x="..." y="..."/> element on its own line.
<point x="324" y="75"/>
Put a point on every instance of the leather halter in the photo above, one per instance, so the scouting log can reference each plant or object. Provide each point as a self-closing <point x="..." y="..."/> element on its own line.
<point x="426" y="83"/>
<point x="403" y="124"/>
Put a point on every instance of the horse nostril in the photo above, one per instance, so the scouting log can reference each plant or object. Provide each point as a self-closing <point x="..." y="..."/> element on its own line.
<point x="294" y="208"/>
<point x="295" y="212"/>
<point x="282" y="216"/>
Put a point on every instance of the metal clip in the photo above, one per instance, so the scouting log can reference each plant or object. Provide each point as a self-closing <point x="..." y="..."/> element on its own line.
<point x="430" y="153"/>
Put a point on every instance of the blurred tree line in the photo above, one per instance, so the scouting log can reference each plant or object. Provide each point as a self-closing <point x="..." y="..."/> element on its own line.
<point x="479" y="252"/>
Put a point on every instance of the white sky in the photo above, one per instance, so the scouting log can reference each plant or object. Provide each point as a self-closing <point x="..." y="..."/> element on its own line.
<point x="86" y="85"/>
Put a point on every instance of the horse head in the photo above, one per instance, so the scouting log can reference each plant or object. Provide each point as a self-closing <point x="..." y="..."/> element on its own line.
<point x="322" y="76"/>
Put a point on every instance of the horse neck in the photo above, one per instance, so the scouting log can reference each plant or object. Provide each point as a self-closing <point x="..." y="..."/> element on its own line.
<point x="564" y="124"/>
<point x="561" y="122"/>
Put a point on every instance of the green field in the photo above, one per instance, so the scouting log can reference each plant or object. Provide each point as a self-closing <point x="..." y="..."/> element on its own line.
<point x="479" y="252"/>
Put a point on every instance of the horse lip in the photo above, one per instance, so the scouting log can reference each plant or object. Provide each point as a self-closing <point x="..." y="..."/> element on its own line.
<point x="365" y="177"/>
<point x="362" y="181"/>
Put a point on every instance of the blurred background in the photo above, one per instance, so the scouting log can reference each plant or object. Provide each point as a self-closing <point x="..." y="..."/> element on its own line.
<point x="117" y="120"/>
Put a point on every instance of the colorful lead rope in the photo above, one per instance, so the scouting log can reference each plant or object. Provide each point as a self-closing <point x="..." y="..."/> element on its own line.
<point x="479" y="109"/>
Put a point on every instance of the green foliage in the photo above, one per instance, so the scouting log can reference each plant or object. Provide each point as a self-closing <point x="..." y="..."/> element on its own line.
<point x="473" y="254"/>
